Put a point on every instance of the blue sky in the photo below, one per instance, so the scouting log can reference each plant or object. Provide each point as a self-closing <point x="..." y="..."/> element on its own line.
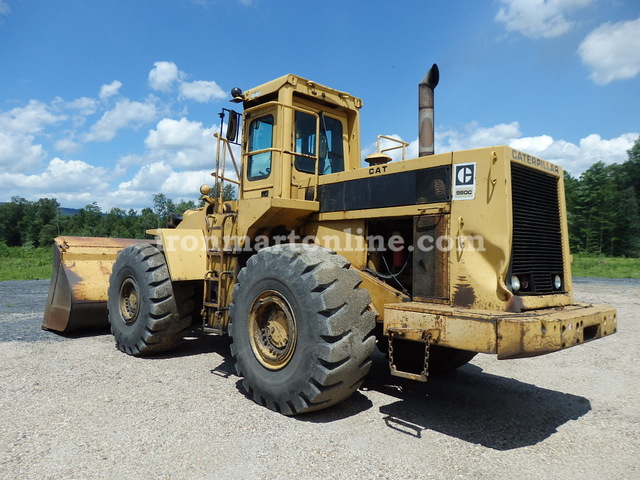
<point x="115" y="101"/>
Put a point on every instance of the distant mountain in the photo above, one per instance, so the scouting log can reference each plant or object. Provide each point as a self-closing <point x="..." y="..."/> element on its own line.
<point x="67" y="212"/>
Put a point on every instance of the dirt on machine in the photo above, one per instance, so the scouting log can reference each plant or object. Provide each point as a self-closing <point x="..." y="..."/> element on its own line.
<point x="433" y="259"/>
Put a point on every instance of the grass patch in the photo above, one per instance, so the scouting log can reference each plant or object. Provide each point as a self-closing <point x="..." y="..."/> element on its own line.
<point x="606" y="267"/>
<point x="23" y="263"/>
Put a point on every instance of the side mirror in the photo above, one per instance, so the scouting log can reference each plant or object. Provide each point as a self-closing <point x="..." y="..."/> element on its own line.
<point x="232" y="126"/>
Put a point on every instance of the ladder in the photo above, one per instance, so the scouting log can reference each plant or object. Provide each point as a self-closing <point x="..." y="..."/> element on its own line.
<point x="218" y="276"/>
<point x="220" y="271"/>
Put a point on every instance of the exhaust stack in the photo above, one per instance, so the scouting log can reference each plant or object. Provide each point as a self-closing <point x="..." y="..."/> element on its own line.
<point x="425" y="104"/>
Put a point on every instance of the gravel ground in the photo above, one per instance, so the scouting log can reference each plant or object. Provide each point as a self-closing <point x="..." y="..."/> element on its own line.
<point x="74" y="407"/>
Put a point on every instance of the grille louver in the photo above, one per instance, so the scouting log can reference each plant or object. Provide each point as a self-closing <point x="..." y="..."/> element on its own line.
<point x="537" y="234"/>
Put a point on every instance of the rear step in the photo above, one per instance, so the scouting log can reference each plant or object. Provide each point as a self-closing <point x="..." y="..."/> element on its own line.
<point x="400" y="333"/>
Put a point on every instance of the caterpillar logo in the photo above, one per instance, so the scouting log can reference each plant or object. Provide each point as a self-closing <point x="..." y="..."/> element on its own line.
<point x="464" y="181"/>
<point x="535" y="162"/>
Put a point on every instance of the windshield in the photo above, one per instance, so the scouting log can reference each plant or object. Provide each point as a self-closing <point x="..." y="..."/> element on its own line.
<point x="331" y="153"/>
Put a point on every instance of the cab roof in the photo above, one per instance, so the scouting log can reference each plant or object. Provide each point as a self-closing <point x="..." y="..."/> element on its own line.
<point x="303" y="87"/>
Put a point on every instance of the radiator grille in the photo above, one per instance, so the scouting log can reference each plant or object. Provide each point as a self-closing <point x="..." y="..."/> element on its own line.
<point x="537" y="233"/>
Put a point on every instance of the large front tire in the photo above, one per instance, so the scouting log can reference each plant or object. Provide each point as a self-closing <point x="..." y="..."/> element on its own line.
<point x="143" y="305"/>
<point x="300" y="328"/>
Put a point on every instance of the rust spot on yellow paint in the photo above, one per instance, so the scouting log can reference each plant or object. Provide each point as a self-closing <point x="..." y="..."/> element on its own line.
<point x="464" y="295"/>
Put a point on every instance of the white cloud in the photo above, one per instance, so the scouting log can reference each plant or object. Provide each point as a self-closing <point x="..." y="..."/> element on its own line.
<point x="127" y="161"/>
<point x="18" y="127"/>
<point x="612" y="51"/>
<point x="182" y="143"/>
<point x="67" y="145"/>
<point x="539" y="18"/>
<point x="475" y="136"/>
<point x="575" y="158"/>
<point x="186" y="184"/>
<point x="17" y="152"/>
<point x="148" y="178"/>
<point x="83" y="105"/>
<point x="76" y="110"/>
<point x="30" y="119"/>
<point x="163" y="75"/>
<point x="180" y="157"/>
<point x="107" y="91"/>
<point x="176" y="134"/>
<point x="201" y="91"/>
<point x="160" y="177"/>
<point x="4" y="8"/>
<point x="578" y="158"/>
<point x="69" y="177"/>
<point x="124" y="114"/>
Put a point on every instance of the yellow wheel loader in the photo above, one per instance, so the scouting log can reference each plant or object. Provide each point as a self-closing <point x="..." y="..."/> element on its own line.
<point x="434" y="259"/>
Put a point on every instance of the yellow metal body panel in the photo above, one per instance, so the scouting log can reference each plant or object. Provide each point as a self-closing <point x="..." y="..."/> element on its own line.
<point x="347" y="238"/>
<point x="185" y="250"/>
<point x="381" y="294"/>
<point x="268" y="212"/>
<point x="304" y="87"/>
<point x="547" y="330"/>
<point x="483" y="227"/>
<point x="509" y="335"/>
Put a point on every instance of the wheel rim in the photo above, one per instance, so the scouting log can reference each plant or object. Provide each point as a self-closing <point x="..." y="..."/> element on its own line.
<point x="272" y="330"/>
<point x="129" y="301"/>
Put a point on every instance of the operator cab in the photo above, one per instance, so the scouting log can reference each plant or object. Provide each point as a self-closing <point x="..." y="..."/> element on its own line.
<point x="295" y="132"/>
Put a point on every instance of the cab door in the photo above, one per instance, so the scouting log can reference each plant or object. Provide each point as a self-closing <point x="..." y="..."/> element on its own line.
<point x="260" y="158"/>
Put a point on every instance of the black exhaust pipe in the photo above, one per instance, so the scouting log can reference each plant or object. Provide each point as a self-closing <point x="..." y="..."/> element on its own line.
<point x="425" y="104"/>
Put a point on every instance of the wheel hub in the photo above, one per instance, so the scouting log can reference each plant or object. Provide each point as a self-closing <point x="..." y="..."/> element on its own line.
<point x="272" y="330"/>
<point x="129" y="301"/>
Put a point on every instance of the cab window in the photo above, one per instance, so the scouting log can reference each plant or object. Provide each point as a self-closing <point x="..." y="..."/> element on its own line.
<point x="331" y="155"/>
<point x="260" y="138"/>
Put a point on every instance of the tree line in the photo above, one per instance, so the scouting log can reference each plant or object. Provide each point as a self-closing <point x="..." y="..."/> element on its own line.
<point x="25" y="223"/>
<point x="603" y="210"/>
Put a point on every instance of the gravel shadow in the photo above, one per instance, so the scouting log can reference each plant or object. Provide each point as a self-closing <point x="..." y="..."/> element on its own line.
<point x="489" y="410"/>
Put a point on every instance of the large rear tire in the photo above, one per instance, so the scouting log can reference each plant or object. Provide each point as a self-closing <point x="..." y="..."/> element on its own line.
<point x="143" y="303"/>
<point x="300" y="328"/>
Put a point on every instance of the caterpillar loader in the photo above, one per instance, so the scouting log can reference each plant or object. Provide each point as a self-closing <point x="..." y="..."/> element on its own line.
<point x="434" y="259"/>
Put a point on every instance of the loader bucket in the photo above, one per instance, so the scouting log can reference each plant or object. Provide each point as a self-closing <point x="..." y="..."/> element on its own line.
<point x="80" y="280"/>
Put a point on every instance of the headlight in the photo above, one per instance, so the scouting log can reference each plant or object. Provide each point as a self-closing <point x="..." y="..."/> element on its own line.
<point x="515" y="283"/>
<point x="557" y="282"/>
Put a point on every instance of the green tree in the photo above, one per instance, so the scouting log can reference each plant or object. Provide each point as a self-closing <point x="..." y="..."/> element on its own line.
<point x="113" y="224"/>
<point x="183" y="206"/>
<point x="44" y="224"/>
<point x="573" y="219"/>
<point x="228" y="191"/>
<point x="597" y="208"/>
<point x="148" y="220"/>
<point x="629" y="171"/>
<point x="628" y="183"/>
<point x="87" y="221"/>
<point x="12" y="216"/>
<point x="163" y="206"/>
